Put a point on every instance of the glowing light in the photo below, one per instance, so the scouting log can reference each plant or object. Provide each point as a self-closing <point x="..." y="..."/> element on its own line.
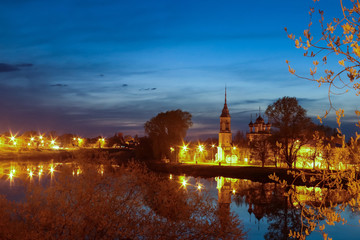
<point x="51" y="169"/>
<point x="29" y="144"/>
<point x="12" y="138"/>
<point x="199" y="187"/>
<point x="245" y="160"/>
<point x="171" y="177"/>
<point x="74" y="139"/>
<point x="13" y="171"/>
<point x="201" y="148"/>
<point x="213" y="145"/>
<point x="56" y="147"/>
<point x="184" y="148"/>
<point x="32" y="139"/>
<point x="41" y="137"/>
<point x="11" y="175"/>
<point x="15" y="143"/>
<point x="184" y="183"/>
<point x="31" y="173"/>
<point x="233" y="191"/>
<point x="172" y="149"/>
<point x="52" y="142"/>
<point x="234" y="148"/>
<point x="42" y="141"/>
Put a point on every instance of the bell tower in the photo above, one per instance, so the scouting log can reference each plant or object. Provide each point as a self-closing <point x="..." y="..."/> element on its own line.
<point x="225" y="136"/>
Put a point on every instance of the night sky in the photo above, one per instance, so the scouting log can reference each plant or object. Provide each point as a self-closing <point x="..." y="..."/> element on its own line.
<point x="100" y="67"/>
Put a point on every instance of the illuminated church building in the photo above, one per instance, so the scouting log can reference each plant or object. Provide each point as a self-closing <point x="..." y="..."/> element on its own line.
<point x="258" y="130"/>
<point x="225" y="136"/>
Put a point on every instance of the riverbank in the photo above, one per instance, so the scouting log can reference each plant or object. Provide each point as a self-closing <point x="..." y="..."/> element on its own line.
<point x="253" y="173"/>
<point x="90" y="154"/>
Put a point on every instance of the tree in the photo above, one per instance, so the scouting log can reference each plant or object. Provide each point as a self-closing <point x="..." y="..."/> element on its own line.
<point x="337" y="44"/>
<point x="290" y="121"/>
<point x="260" y="149"/>
<point x="166" y="130"/>
<point x="116" y="140"/>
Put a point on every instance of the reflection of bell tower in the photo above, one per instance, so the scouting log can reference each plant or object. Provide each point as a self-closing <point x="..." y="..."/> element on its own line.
<point x="225" y="136"/>
<point x="224" y="200"/>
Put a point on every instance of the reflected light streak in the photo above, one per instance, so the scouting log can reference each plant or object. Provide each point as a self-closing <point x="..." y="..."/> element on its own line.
<point x="184" y="183"/>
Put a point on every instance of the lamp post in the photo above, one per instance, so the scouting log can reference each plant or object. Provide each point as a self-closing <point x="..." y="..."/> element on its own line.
<point x="212" y="153"/>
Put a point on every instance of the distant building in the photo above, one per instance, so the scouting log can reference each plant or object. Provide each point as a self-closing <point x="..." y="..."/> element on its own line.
<point x="259" y="129"/>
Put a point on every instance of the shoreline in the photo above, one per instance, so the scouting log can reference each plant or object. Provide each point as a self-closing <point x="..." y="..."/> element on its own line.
<point x="253" y="173"/>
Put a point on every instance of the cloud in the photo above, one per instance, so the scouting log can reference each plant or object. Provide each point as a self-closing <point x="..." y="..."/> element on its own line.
<point x="5" y="67"/>
<point x="25" y="65"/>
<point x="59" y="85"/>
<point x="125" y="85"/>
<point x="147" y="89"/>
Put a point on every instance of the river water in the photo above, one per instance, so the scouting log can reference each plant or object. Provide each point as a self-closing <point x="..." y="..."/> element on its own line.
<point x="264" y="209"/>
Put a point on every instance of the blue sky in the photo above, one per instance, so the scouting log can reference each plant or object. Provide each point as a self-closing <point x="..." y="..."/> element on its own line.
<point x="100" y="67"/>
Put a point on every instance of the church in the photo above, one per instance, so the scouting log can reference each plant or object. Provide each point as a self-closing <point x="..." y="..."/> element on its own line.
<point x="225" y="150"/>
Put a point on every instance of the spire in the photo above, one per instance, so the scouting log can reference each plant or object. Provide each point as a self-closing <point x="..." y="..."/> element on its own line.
<point x="225" y="94"/>
<point x="259" y="111"/>
<point x="225" y="111"/>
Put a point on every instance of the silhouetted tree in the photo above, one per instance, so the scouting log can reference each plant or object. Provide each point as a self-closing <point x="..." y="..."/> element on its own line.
<point x="143" y="150"/>
<point x="240" y="139"/>
<point x="166" y="130"/>
<point x="116" y="140"/>
<point x="66" y="140"/>
<point x="260" y="149"/>
<point x="290" y="122"/>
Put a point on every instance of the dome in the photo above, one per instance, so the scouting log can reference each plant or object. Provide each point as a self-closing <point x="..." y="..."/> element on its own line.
<point x="259" y="120"/>
<point x="251" y="124"/>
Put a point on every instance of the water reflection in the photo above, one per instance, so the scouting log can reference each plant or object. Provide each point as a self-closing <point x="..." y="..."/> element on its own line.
<point x="280" y="208"/>
<point x="274" y="209"/>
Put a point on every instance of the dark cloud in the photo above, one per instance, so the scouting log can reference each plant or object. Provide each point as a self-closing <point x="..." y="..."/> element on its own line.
<point x="101" y="75"/>
<point x="59" y="85"/>
<point x="25" y="65"/>
<point x="125" y="85"/>
<point x="5" y="67"/>
<point x="147" y="89"/>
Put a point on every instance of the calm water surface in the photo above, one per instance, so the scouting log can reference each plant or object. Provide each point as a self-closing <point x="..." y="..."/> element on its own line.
<point x="264" y="210"/>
